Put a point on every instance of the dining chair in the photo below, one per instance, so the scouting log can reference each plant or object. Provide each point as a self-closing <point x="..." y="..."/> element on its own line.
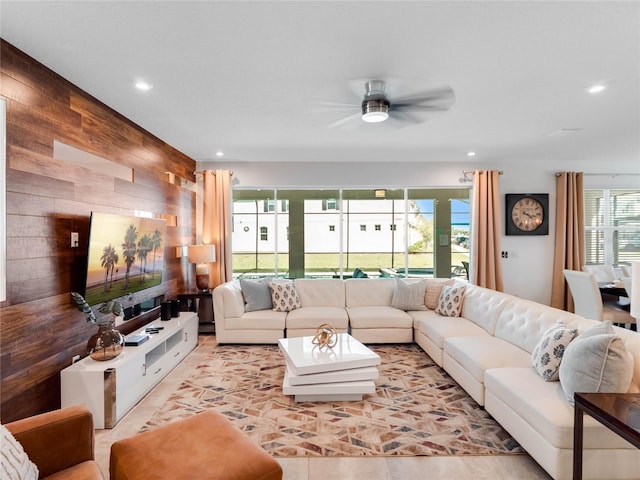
<point x="603" y="273"/>
<point x="626" y="271"/>
<point x="588" y="301"/>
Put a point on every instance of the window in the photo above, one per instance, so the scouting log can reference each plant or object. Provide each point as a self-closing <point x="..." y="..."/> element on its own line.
<point x="612" y="226"/>
<point x="288" y="236"/>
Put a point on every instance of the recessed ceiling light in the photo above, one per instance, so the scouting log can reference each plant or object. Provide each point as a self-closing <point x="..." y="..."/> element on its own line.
<point x="143" y="85"/>
<point x="471" y="154"/>
<point x="219" y="154"/>
<point x="597" y="88"/>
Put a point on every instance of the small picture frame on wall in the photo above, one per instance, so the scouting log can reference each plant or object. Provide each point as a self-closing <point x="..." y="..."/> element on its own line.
<point x="527" y="213"/>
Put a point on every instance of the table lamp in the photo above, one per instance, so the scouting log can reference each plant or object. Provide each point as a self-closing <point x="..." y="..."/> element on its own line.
<point x="202" y="255"/>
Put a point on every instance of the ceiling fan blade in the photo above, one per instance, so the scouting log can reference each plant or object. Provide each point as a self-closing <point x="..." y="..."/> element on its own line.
<point x="334" y="106"/>
<point x="400" y="119"/>
<point x="442" y="96"/>
<point x="410" y="107"/>
<point x="343" y="122"/>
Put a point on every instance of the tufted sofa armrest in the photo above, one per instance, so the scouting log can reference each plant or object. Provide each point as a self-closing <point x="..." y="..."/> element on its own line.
<point x="57" y="440"/>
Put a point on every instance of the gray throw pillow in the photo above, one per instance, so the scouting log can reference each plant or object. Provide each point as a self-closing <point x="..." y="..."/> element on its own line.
<point x="256" y="294"/>
<point x="409" y="295"/>
<point x="596" y="361"/>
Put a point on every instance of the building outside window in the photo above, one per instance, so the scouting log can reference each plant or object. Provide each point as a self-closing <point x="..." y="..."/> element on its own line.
<point x="363" y="228"/>
<point x="264" y="236"/>
<point x="332" y="228"/>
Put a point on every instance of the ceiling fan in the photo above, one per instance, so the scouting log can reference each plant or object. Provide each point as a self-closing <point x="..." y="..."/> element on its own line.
<point x="377" y="106"/>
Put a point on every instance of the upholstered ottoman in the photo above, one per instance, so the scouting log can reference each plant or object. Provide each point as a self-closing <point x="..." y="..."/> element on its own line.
<point x="205" y="446"/>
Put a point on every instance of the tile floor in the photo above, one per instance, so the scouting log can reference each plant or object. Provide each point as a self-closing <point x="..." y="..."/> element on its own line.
<point x="322" y="468"/>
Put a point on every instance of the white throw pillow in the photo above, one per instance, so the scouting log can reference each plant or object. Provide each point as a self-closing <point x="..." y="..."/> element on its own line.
<point x="596" y="361"/>
<point x="14" y="463"/>
<point x="409" y="295"/>
<point x="284" y="296"/>
<point x="547" y="354"/>
<point x="450" y="302"/>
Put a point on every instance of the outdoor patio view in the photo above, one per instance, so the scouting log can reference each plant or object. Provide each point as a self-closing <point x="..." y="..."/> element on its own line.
<point x="339" y="232"/>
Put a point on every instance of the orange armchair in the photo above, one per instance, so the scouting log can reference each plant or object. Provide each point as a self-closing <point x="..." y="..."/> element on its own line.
<point x="60" y="443"/>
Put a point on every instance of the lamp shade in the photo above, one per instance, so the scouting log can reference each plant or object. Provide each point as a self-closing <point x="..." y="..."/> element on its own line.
<point x="635" y="290"/>
<point x="202" y="253"/>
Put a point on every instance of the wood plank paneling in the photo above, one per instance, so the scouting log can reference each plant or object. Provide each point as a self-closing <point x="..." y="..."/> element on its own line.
<point x="47" y="199"/>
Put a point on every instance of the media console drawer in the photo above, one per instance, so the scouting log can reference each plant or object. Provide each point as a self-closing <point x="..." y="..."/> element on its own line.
<point x="110" y="389"/>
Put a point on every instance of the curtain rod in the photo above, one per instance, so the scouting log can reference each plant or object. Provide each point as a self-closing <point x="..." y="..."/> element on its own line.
<point x="603" y="174"/>
<point x="473" y="171"/>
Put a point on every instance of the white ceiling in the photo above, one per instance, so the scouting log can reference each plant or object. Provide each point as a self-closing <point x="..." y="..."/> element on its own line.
<point x="246" y="77"/>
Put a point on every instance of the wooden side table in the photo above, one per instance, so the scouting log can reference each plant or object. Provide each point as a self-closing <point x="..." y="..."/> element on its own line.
<point x="619" y="412"/>
<point x="201" y="302"/>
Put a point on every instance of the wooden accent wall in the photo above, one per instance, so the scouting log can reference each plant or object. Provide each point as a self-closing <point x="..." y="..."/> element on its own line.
<point x="47" y="199"/>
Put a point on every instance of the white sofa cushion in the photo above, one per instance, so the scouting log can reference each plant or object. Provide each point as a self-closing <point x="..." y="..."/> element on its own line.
<point x="256" y="320"/>
<point x="437" y="327"/>
<point x="317" y="292"/>
<point x="543" y="406"/>
<point x="369" y="292"/>
<point x="523" y="322"/>
<point x="482" y="306"/>
<point x="478" y="354"/>
<point x="379" y="317"/>
<point x="313" y="317"/>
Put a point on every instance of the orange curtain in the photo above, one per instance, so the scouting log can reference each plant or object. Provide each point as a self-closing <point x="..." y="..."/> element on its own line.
<point x="486" y="269"/>
<point x="216" y="222"/>
<point x="570" y="247"/>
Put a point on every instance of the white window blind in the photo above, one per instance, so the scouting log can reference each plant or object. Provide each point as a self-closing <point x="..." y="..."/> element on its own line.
<point x="612" y="226"/>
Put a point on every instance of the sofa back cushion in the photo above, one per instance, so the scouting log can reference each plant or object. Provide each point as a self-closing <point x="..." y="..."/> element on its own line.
<point x="363" y="292"/>
<point x="523" y="322"/>
<point x="321" y="292"/>
<point x="483" y="306"/>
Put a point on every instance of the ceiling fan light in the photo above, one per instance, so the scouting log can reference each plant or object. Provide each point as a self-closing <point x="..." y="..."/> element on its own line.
<point x="375" y="110"/>
<point x="375" y="117"/>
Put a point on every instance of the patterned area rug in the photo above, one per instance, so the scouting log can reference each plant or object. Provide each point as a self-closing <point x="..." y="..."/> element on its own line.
<point x="417" y="408"/>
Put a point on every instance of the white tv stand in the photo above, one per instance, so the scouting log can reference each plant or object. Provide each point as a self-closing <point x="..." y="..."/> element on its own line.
<point x="111" y="388"/>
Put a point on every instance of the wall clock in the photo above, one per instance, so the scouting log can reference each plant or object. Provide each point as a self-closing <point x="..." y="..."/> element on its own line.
<point x="527" y="213"/>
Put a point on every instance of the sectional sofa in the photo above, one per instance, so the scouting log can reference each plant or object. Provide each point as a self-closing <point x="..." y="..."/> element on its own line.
<point x="487" y="349"/>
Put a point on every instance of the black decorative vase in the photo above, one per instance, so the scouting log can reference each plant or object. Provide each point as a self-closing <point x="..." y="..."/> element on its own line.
<point x="107" y="343"/>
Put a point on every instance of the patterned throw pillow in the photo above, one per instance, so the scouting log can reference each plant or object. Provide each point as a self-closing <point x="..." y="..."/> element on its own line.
<point x="284" y="296"/>
<point x="14" y="463"/>
<point x="547" y="354"/>
<point x="450" y="302"/>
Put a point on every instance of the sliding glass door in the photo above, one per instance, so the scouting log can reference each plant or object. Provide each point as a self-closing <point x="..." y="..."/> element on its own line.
<point x="333" y="232"/>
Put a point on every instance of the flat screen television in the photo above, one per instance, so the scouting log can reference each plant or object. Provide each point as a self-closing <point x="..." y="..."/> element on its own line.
<point x="126" y="255"/>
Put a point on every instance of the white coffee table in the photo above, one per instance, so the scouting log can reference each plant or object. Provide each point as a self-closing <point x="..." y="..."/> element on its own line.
<point x="344" y="372"/>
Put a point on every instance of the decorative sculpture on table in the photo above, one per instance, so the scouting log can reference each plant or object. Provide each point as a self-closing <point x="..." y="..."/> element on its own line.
<point x="326" y="336"/>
